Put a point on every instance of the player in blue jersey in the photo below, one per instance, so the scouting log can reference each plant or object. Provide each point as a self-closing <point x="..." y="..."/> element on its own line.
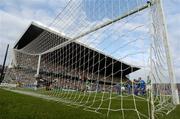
<point x="142" y="86"/>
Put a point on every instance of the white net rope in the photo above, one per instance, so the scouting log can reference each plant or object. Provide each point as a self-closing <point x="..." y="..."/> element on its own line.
<point x="96" y="55"/>
<point x="164" y="95"/>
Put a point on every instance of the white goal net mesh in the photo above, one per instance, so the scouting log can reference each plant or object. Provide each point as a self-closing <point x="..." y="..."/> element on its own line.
<point x="106" y="56"/>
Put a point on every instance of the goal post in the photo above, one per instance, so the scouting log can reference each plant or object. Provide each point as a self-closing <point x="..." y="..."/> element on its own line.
<point x="165" y="39"/>
<point x="168" y="55"/>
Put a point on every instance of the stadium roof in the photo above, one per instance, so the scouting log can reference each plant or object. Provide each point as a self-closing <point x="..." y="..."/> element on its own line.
<point x="35" y="30"/>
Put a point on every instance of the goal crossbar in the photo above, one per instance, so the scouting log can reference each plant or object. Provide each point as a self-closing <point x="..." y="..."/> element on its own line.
<point x="99" y="27"/>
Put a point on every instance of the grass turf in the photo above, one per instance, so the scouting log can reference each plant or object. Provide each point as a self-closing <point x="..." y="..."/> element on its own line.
<point x="18" y="106"/>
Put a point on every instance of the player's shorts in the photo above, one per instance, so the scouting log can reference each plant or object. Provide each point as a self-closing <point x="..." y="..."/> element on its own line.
<point x="123" y="88"/>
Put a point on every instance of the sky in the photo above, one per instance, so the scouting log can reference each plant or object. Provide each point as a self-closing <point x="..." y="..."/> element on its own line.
<point x="16" y="15"/>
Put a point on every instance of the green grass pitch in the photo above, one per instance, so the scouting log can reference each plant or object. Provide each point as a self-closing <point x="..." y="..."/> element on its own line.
<point x="18" y="106"/>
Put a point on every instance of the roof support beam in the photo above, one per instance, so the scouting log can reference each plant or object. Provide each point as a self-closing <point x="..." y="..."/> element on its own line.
<point x="4" y="63"/>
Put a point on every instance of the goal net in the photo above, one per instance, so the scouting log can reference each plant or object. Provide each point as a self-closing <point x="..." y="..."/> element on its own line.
<point x="106" y="56"/>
